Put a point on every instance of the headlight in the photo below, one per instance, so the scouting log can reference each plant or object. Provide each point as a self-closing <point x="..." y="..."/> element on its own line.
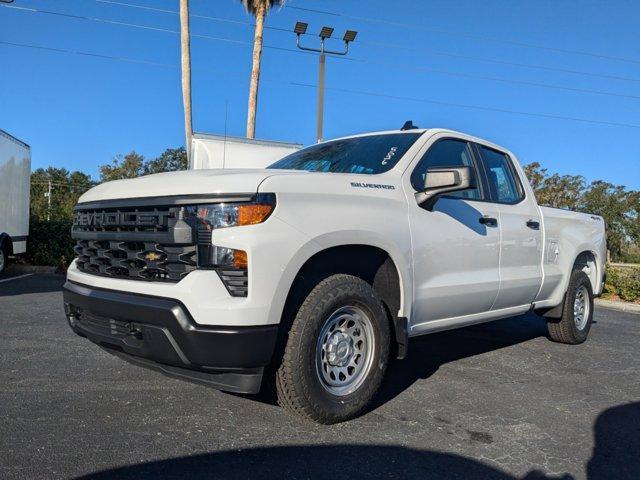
<point x="222" y="215"/>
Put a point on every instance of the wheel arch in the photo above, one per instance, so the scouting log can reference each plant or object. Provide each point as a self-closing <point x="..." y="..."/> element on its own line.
<point x="586" y="261"/>
<point x="371" y="262"/>
<point x="6" y="243"/>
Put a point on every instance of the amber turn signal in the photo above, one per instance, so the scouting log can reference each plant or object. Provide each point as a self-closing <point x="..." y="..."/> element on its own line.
<point x="254" y="213"/>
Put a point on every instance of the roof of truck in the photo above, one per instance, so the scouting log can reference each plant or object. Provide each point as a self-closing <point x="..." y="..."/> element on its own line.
<point x="11" y="137"/>
<point x="432" y="131"/>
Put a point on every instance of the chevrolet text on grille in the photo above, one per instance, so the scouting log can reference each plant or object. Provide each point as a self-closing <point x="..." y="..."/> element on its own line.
<point x="115" y="219"/>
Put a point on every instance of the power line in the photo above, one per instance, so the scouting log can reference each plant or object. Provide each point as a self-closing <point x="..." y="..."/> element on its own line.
<point x="497" y="79"/>
<point x="143" y="27"/>
<point x="192" y="15"/>
<point x="88" y="54"/>
<point x="501" y="62"/>
<point x="468" y="35"/>
<point x="373" y="62"/>
<point x="90" y="184"/>
<point x="369" y="93"/>
<point x="474" y="107"/>
<point x="388" y="45"/>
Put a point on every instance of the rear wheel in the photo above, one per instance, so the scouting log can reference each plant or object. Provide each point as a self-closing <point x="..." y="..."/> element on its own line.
<point x="577" y="314"/>
<point x="336" y="352"/>
<point x="4" y="258"/>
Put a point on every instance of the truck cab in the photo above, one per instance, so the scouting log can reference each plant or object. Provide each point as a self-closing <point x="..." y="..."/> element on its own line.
<point x="314" y="272"/>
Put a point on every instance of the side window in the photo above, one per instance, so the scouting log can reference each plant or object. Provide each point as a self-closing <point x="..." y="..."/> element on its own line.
<point x="504" y="187"/>
<point x="446" y="153"/>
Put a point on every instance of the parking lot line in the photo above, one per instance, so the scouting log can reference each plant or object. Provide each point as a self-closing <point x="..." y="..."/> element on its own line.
<point x="15" y="278"/>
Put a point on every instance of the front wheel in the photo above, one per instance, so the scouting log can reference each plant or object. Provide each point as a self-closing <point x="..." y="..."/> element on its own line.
<point x="577" y="314"/>
<point x="336" y="352"/>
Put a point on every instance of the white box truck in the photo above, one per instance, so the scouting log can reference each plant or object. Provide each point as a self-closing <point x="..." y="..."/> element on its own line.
<point x="221" y="151"/>
<point x="15" y="171"/>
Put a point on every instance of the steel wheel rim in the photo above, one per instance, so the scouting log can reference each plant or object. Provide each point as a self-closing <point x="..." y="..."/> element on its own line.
<point x="581" y="307"/>
<point x="345" y="350"/>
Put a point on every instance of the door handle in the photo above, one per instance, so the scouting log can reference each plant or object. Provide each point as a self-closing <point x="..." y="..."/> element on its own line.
<point x="486" y="220"/>
<point x="532" y="224"/>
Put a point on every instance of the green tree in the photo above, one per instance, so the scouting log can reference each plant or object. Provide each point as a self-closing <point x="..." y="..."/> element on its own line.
<point x="66" y="188"/>
<point x="170" y="160"/>
<point x="536" y="175"/>
<point x="129" y="166"/>
<point x="619" y="209"/>
<point x="559" y="191"/>
<point x="54" y="194"/>
<point x="134" y="165"/>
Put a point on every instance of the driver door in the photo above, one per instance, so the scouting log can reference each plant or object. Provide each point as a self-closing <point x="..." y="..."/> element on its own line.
<point x="456" y="246"/>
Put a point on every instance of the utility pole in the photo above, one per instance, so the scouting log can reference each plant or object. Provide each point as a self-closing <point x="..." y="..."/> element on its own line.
<point x="48" y="195"/>
<point x="185" y="54"/>
<point x="325" y="33"/>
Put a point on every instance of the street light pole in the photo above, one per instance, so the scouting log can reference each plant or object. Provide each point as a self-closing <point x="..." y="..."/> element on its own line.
<point x="320" y="117"/>
<point x="325" y="32"/>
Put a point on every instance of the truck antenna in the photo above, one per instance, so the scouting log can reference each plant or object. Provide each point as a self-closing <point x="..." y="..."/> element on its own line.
<point x="408" y="125"/>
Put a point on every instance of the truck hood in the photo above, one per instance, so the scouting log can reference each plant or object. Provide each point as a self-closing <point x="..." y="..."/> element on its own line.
<point x="189" y="182"/>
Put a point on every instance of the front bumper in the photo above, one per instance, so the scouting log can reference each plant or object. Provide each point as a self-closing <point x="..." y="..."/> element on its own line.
<point x="160" y="333"/>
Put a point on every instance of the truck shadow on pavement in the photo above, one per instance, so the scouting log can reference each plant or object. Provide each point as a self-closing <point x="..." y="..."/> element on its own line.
<point x="615" y="456"/>
<point x="429" y="352"/>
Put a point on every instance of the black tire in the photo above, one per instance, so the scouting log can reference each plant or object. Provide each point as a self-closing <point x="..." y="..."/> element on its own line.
<point x="299" y="386"/>
<point x="4" y="257"/>
<point x="565" y="329"/>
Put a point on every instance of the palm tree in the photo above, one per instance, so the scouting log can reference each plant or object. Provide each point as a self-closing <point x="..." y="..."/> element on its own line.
<point x="259" y="9"/>
<point x="185" y="51"/>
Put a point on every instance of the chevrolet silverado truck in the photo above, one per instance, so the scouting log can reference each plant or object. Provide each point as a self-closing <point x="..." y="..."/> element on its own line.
<point x="312" y="274"/>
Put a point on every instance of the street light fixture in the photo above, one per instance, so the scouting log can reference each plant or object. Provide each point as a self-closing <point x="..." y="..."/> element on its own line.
<point x="300" y="28"/>
<point x="325" y="33"/>
<point x="350" y="36"/>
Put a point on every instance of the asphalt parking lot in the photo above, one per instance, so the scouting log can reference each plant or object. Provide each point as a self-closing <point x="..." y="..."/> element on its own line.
<point x="496" y="401"/>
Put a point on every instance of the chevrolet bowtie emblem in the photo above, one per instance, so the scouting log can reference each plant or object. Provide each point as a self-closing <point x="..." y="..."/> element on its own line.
<point x="152" y="257"/>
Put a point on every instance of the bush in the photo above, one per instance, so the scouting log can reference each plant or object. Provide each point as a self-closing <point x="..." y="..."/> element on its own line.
<point x="623" y="282"/>
<point x="50" y="242"/>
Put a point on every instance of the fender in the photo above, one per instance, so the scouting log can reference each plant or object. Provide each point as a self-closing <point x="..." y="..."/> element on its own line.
<point x="337" y="239"/>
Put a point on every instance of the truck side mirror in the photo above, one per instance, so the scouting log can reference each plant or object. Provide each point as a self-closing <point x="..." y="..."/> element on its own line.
<point x="442" y="180"/>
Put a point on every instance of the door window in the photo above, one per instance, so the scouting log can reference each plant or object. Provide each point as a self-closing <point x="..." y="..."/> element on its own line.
<point x="502" y="182"/>
<point x="447" y="153"/>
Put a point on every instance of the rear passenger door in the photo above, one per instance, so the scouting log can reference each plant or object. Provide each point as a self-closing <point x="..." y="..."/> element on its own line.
<point x="521" y="230"/>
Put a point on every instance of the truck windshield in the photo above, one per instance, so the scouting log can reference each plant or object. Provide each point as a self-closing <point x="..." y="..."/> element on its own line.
<point x="368" y="154"/>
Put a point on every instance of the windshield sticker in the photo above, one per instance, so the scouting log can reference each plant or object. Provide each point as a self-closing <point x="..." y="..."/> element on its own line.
<point x="372" y="185"/>
<point x="389" y="155"/>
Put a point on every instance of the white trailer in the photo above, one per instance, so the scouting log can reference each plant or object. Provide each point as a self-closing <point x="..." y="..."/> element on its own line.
<point x="15" y="171"/>
<point x="219" y="151"/>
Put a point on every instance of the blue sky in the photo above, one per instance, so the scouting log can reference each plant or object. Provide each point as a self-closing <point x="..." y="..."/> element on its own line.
<point x="78" y="111"/>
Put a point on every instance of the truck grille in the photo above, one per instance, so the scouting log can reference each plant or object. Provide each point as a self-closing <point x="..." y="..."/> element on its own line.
<point x="135" y="260"/>
<point x="154" y="243"/>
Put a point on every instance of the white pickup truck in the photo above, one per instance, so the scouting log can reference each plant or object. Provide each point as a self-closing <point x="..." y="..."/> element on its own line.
<point x="315" y="272"/>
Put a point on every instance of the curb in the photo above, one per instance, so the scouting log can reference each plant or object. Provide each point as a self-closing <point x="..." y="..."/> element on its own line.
<point x="30" y="269"/>
<point x="621" y="306"/>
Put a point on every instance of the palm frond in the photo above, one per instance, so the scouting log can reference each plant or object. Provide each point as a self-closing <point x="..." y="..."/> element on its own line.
<point x="251" y="6"/>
